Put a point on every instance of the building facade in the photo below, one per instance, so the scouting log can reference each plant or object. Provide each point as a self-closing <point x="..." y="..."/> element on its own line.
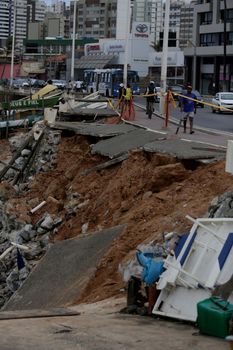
<point x="209" y="60"/>
<point x="4" y="21"/>
<point x="95" y="18"/>
<point x="25" y="11"/>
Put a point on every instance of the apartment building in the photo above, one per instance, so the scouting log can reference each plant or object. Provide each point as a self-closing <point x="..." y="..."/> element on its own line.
<point x="95" y="18"/>
<point x="209" y="60"/>
<point x="4" y="21"/>
<point x="25" y="11"/>
<point x="186" y="24"/>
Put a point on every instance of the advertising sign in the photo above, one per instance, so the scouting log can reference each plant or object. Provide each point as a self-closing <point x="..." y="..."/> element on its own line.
<point x="92" y="49"/>
<point x="30" y="104"/>
<point x="141" y="30"/>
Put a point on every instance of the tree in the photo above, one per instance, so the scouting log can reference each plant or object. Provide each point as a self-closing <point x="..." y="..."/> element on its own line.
<point x="156" y="46"/>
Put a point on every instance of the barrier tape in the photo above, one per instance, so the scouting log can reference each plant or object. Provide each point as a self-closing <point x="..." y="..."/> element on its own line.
<point x="205" y="103"/>
<point x="221" y="108"/>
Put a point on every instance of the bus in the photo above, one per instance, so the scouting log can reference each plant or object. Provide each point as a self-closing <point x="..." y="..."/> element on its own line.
<point x="107" y="81"/>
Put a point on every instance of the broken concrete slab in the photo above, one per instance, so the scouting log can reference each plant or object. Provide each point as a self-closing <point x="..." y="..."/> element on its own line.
<point x="95" y="129"/>
<point x="64" y="272"/>
<point x="118" y="145"/>
<point x="184" y="149"/>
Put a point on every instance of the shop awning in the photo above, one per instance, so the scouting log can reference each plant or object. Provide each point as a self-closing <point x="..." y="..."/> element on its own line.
<point x="92" y="62"/>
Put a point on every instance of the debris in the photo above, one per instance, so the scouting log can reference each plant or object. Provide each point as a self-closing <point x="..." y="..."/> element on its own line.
<point x="202" y="261"/>
<point x="32" y="211"/>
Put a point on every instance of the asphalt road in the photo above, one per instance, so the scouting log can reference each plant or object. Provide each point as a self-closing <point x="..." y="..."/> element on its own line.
<point x="203" y="118"/>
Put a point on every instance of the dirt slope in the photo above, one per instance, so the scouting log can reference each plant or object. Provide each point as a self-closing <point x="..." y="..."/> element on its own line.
<point x="151" y="193"/>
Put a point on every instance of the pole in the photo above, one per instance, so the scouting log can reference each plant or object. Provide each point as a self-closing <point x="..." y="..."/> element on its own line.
<point x="225" y="47"/>
<point x="194" y="66"/>
<point x="163" y="83"/>
<point x="13" y="46"/>
<point x="73" y="41"/>
<point x="127" y="41"/>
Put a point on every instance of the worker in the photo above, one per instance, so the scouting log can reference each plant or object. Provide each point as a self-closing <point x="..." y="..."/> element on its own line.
<point x="128" y="96"/>
<point x="150" y="100"/>
<point x="121" y="94"/>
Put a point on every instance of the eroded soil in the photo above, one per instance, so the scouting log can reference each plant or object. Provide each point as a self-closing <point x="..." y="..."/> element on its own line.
<point x="152" y="194"/>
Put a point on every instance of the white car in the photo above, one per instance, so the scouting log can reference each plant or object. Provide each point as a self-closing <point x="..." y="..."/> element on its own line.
<point x="61" y="84"/>
<point x="223" y="102"/>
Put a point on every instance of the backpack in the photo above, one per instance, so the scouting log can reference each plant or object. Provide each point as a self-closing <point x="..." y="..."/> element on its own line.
<point x="150" y="91"/>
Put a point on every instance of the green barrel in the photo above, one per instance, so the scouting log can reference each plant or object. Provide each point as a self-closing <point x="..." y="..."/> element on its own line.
<point x="213" y="316"/>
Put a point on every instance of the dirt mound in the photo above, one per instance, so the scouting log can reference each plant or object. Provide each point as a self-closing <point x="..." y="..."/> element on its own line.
<point x="152" y="193"/>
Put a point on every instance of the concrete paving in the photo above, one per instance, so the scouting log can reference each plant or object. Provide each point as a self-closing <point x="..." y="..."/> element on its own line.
<point x="122" y="144"/>
<point x="95" y="129"/>
<point x="100" y="327"/>
<point x="64" y="272"/>
<point x="184" y="149"/>
<point x="201" y="135"/>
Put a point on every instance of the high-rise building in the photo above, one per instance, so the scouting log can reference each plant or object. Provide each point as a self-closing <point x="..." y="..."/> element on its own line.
<point x="4" y="21"/>
<point x="25" y="11"/>
<point x="186" y="24"/>
<point x="95" y="18"/>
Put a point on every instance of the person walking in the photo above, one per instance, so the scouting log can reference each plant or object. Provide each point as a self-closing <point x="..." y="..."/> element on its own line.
<point x="150" y="99"/>
<point x="188" y="108"/>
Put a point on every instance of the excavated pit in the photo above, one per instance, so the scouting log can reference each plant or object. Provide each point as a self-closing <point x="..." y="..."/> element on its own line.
<point x="150" y="193"/>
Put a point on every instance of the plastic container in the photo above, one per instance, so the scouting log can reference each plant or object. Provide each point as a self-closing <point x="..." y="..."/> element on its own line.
<point x="213" y="316"/>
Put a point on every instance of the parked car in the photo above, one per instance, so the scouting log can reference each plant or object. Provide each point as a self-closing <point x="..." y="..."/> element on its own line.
<point x="39" y="83"/>
<point x="20" y="83"/>
<point x="176" y="89"/>
<point x="61" y="84"/>
<point x="223" y="99"/>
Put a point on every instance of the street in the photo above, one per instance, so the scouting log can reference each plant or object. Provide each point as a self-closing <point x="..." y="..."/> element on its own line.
<point x="203" y="118"/>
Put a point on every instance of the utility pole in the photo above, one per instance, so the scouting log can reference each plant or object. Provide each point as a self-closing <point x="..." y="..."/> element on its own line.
<point x="163" y="83"/>
<point x="73" y="41"/>
<point x="13" y="46"/>
<point x="225" y="47"/>
<point x="127" y="41"/>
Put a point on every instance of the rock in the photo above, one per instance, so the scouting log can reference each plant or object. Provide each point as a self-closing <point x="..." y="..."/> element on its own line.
<point x="25" y="236"/>
<point x="85" y="228"/>
<point x="147" y="195"/>
<point x="13" y="280"/>
<point x="25" y="152"/>
<point x="34" y="251"/>
<point x="41" y="231"/>
<point x="47" y="223"/>
<point x="57" y="222"/>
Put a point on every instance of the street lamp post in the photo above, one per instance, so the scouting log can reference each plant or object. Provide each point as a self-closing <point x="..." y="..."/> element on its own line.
<point x="73" y="42"/>
<point x="13" y="46"/>
<point x="194" y="64"/>
<point x="127" y="41"/>
<point x="163" y="83"/>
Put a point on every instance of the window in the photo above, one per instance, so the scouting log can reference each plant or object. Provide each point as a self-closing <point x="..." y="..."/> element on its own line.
<point x="206" y="18"/>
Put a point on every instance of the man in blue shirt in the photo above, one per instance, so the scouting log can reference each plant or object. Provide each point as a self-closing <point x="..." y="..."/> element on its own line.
<point x="188" y="107"/>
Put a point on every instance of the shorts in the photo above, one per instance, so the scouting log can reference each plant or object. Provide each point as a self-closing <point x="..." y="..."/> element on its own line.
<point x="188" y="115"/>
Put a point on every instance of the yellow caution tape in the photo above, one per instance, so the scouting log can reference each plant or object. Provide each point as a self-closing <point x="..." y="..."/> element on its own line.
<point x="204" y="103"/>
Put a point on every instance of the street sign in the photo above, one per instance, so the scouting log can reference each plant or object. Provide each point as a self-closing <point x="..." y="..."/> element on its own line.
<point x="30" y="104"/>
